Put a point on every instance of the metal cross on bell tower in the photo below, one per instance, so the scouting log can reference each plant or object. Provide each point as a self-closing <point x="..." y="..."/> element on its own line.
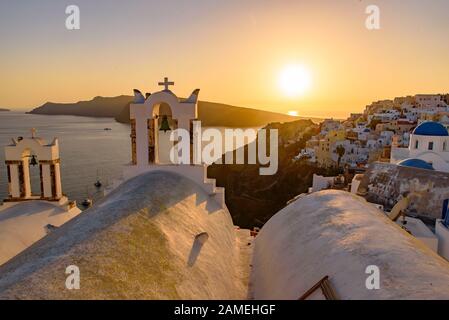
<point x="166" y="83"/>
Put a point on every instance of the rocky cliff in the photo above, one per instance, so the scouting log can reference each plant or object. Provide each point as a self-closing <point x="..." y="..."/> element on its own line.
<point x="252" y="198"/>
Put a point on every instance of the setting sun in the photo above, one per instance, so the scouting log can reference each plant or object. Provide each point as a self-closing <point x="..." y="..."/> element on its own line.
<point x="294" y="80"/>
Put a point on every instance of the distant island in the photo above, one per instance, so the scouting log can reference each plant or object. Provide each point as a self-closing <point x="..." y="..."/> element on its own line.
<point x="210" y="113"/>
<point x="97" y="107"/>
<point x="3" y="109"/>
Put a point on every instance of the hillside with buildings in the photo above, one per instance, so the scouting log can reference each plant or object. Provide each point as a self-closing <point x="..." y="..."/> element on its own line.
<point x="401" y="146"/>
<point x="370" y="136"/>
<point x="395" y="155"/>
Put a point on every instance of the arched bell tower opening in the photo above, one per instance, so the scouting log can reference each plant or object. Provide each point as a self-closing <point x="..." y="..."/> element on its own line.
<point x="160" y="127"/>
<point x="32" y="169"/>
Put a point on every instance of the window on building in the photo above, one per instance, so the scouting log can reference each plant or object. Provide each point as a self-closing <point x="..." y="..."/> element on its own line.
<point x="431" y="145"/>
<point x="416" y="144"/>
<point x="444" y="146"/>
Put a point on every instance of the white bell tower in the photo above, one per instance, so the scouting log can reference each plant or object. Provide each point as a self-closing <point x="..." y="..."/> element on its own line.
<point x="22" y="153"/>
<point x="153" y="119"/>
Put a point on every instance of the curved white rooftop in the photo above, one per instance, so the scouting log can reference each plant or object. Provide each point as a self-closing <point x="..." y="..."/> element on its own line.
<point x="337" y="234"/>
<point x="24" y="223"/>
<point x="157" y="236"/>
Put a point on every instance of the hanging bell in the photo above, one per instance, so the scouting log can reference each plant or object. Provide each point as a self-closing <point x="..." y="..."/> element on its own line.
<point x="164" y="125"/>
<point x="33" y="161"/>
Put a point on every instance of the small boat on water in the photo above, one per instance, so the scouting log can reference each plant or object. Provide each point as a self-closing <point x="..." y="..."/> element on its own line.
<point x="87" y="202"/>
<point x="107" y="129"/>
<point x="98" y="183"/>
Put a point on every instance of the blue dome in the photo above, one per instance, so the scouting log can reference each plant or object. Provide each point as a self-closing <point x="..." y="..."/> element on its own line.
<point x="431" y="128"/>
<point x="416" y="163"/>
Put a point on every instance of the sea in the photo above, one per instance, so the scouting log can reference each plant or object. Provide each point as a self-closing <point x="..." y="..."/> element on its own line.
<point x="88" y="152"/>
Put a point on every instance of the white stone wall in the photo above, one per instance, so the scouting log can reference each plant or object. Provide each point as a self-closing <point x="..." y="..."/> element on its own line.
<point x="443" y="239"/>
<point x="319" y="182"/>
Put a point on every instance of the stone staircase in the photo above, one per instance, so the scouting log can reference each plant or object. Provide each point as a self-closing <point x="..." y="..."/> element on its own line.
<point x="218" y="193"/>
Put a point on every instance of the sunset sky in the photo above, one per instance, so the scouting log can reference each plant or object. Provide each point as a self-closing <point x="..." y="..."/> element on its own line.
<point x="233" y="50"/>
